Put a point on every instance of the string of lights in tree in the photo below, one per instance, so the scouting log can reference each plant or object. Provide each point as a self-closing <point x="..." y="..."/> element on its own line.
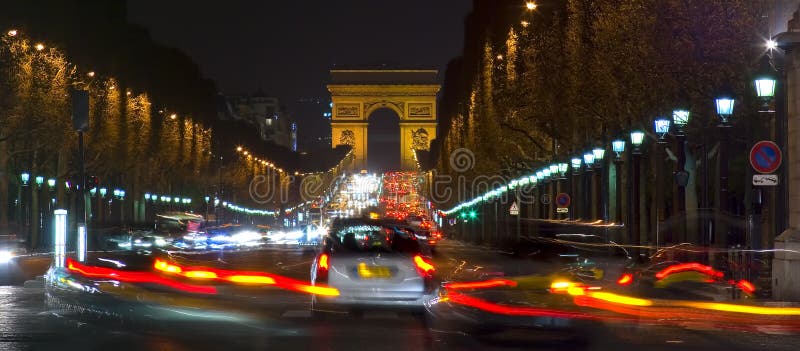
<point x="39" y="46"/>
<point x="264" y="162"/>
<point x="557" y="170"/>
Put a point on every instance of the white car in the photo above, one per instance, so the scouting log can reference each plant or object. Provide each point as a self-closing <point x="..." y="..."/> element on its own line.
<point x="372" y="264"/>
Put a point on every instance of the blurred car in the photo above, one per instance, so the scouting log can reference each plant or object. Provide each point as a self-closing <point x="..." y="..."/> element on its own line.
<point x="10" y="247"/>
<point x="372" y="263"/>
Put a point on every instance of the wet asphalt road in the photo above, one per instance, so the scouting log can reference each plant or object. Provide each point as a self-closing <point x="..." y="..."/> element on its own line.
<point x="27" y="324"/>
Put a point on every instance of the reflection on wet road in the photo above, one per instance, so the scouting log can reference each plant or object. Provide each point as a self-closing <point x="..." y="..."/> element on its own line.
<point x="283" y="320"/>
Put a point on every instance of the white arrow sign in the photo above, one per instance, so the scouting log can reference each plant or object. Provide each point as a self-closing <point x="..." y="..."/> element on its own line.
<point x="765" y="179"/>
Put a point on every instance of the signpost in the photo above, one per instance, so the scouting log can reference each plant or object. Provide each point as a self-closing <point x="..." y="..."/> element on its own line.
<point x="765" y="179"/>
<point x="514" y="210"/>
<point x="562" y="203"/>
<point x="765" y="157"/>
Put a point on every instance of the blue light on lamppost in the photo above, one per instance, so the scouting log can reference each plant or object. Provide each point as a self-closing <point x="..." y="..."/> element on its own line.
<point x="599" y="154"/>
<point x="724" y="106"/>
<point x="25" y="177"/>
<point x="562" y="169"/>
<point x="661" y="126"/>
<point x="103" y="192"/>
<point x="765" y="83"/>
<point x="618" y="146"/>
<point x="51" y="183"/>
<point x="576" y="164"/>
<point x="121" y="194"/>
<point x="588" y="159"/>
<point x="93" y="192"/>
<point x="116" y="192"/>
<point x="553" y="169"/>
<point x="147" y="196"/>
<point x="39" y="181"/>
<point x="207" y="198"/>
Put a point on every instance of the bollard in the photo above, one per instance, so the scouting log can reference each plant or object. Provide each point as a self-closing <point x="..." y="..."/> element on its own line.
<point x="60" y="237"/>
<point x="82" y="242"/>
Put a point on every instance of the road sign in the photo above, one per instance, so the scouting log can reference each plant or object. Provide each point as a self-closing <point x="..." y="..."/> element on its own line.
<point x="514" y="210"/>
<point x="562" y="210"/>
<point x="563" y="200"/>
<point x="545" y="199"/>
<point x="765" y="179"/>
<point x="765" y="156"/>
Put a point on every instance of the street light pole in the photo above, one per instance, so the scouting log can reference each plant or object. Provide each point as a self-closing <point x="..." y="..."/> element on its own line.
<point x="680" y="118"/>
<point x="724" y="105"/>
<point x="661" y="126"/>
<point x="637" y="137"/>
<point x="618" y="146"/>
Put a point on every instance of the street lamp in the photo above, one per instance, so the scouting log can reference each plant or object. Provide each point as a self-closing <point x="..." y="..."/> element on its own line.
<point x="562" y="170"/>
<point x="147" y="196"/>
<point x="724" y="106"/>
<point x="51" y="183"/>
<point x="661" y="127"/>
<point x="25" y="177"/>
<point x="103" y="192"/>
<point x="588" y="159"/>
<point x="680" y="118"/>
<point x="618" y="146"/>
<point x="39" y="181"/>
<point x="599" y="154"/>
<point x="765" y="83"/>
<point x="530" y="5"/>
<point x="637" y="138"/>
<point x="576" y="165"/>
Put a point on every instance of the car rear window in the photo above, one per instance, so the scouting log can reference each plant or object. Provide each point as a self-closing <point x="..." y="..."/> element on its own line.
<point x="373" y="238"/>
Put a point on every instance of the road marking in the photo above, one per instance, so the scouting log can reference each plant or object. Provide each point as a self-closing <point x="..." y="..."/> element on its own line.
<point x="381" y="315"/>
<point x="297" y="314"/>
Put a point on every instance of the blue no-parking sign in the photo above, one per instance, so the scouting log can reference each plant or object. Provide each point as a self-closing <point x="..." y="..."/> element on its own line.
<point x="765" y="157"/>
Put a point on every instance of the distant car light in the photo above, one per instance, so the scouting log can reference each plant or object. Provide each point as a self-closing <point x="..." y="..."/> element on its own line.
<point x="6" y="256"/>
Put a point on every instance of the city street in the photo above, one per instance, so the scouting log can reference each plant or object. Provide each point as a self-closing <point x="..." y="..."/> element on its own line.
<point x="26" y="324"/>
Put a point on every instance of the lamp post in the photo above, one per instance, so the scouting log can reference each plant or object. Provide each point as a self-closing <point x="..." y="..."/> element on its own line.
<point x="724" y="105"/>
<point x="765" y="83"/>
<point x="588" y="191"/>
<point x="661" y="128"/>
<point x="680" y="118"/>
<point x="618" y="146"/>
<point x="575" y="162"/>
<point x="24" y="202"/>
<point x="637" y="138"/>
<point x="602" y="198"/>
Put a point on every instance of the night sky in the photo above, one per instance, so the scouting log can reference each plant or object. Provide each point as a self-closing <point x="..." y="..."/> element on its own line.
<point x="285" y="48"/>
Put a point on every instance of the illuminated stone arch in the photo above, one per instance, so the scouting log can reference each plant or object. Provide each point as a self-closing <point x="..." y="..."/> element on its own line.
<point x="410" y="93"/>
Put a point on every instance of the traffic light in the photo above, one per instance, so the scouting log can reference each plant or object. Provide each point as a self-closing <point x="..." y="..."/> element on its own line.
<point x="92" y="182"/>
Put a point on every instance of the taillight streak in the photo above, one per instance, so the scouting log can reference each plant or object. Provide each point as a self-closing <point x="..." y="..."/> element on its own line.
<point x="625" y="280"/>
<point x="246" y="277"/>
<point x="135" y="277"/>
<point x="424" y="267"/>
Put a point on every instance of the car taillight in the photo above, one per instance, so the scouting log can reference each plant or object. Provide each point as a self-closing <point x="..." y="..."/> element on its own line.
<point x="424" y="267"/>
<point x="322" y="268"/>
<point x="625" y="280"/>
